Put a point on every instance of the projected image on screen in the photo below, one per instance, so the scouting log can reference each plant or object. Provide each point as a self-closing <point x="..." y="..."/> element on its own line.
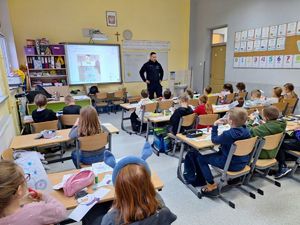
<point x="90" y="64"/>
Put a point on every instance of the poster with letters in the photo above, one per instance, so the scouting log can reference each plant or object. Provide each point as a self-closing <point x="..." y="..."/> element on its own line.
<point x="264" y="45"/>
<point x="291" y="29"/>
<point x="244" y="35"/>
<point x="278" y="63"/>
<point x="236" y="62"/>
<point x="242" y="63"/>
<point x="272" y="44"/>
<point x="251" y="34"/>
<point x="270" y="61"/>
<point x="262" y="61"/>
<point x="243" y="46"/>
<point x="280" y="43"/>
<point x="237" y="46"/>
<point x="282" y="30"/>
<point x="288" y="61"/>
<point x="249" y="61"/>
<point x="256" y="45"/>
<point x="237" y="37"/>
<point x="298" y="28"/>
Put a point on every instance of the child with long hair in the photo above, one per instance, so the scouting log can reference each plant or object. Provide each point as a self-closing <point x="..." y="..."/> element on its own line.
<point x="204" y="107"/>
<point x="289" y="91"/>
<point x="86" y="125"/>
<point x="18" y="207"/>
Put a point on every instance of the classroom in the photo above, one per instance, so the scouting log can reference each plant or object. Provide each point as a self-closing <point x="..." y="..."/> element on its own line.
<point x="179" y="112"/>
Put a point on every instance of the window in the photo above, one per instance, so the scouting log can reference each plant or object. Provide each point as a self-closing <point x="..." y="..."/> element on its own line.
<point x="4" y="63"/>
<point x="219" y="36"/>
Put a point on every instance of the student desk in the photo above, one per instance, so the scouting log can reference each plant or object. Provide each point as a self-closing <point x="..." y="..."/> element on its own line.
<point x="71" y="203"/>
<point x="220" y="108"/>
<point x="160" y="118"/>
<point x="126" y="107"/>
<point x="59" y="105"/>
<point x="292" y="125"/>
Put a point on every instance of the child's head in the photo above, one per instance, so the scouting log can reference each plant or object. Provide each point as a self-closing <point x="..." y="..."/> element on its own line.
<point x="277" y="91"/>
<point x="240" y="100"/>
<point x="167" y="94"/>
<point x="12" y="184"/>
<point x="69" y="100"/>
<point x="288" y="88"/>
<point x="40" y="100"/>
<point x="270" y="113"/>
<point x="203" y="99"/>
<point x="255" y="94"/>
<point x="241" y="87"/>
<point x="144" y="93"/>
<point x="228" y="87"/>
<point x="88" y="122"/>
<point x="207" y="90"/>
<point x="237" y="117"/>
<point x="190" y="93"/>
<point x="184" y="98"/>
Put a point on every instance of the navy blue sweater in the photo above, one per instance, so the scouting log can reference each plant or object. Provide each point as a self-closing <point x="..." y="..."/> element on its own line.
<point x="227" y="138"/>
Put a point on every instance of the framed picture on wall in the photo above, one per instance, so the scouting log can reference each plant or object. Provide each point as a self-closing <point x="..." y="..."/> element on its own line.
<point x="111" y="19"/>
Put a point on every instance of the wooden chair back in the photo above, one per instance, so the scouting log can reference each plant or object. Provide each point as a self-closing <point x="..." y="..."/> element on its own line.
<point x="213" y="99"/>
<point x="150" y="107"/>
<point x="134" y="99"/>
<point x="281" y="106"/>
<point x="49" y="125"/>
<point x="188" y="120"/>
<point x="92" y="143"/>
<point x="229" y="98"/>
<point x="242" y="95"/>
<point x="7" y="154"/>
<point x="245" y="147"/>
<point x="253" y="109"/>
<point x="119" y="94"/>
<point x="208" y="119"/>
<point x="193" y="102"/>
<point x="68" y="120"/>
<point x="273" y="141"/>
<point x="101" y="96"/>
<point x="165" y="105"/>
<point x="292" y="103"/>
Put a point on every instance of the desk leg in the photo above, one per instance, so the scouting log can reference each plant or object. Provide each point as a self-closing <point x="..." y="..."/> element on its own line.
<point x="148" y="128"/>
<point x="122" y="122"/>
<point x="109" y="142"/>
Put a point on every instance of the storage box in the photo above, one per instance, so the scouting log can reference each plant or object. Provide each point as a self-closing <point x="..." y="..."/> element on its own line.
<point x="29" y="50"/>
<point x="57" y="49"/>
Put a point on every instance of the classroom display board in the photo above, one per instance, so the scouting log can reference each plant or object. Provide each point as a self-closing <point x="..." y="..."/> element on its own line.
<point x="93" y="63"/>
<point x="276" y="46"/>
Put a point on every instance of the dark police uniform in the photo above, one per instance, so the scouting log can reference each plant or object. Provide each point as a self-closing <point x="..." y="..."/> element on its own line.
<point x="154" y="73"/>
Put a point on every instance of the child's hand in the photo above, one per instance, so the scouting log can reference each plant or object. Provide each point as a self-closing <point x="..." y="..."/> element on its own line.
<point x="252" y="116"/>
<point x="35" y="195"/>
<point x="220" y="122"/>
<point x="76" y="122"/>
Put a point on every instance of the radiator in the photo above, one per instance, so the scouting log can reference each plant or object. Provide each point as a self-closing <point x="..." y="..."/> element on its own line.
<point x="7" y="132"/>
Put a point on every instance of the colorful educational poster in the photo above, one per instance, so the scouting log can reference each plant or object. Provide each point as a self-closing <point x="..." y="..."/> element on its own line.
<point x="298" y="28"/>
<point x="273" y="31"/>
<point x="242" y="62"/>
<point x="256" y="45"/>
<point x="296" y="61"/>
<point x="250" y="46"/>
<point x="288" y="61"/>
<point x="237" y="36"/>
<point x="264" y="45"/>
<point x="280" y="43"/>
<point x="257" y="32"/>
<point x="251" y="34"/>
<point x="244" y="35"/>
<point x="236" y="61"/>
<point x="243" y="46"/>
<point x="282" y="30"/>
<point x="237" y="46"/>
<point x="265" y="32"/>
<point x="255" y="61"/>
<point x="291" y="29"/>
<point x="262" y="61"/>
<point x="270" y="61"/>
<point x="249" y="60"/>
<point x="272" y="44"/>
<point x="278" y="61"/>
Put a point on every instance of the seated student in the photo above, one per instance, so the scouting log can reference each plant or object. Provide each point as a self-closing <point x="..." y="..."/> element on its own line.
<point x="241" y="87"/>
<point x="289" y="91"/>
<point x="136" y="200"/>
<point x="183" y="110"/>
<point x="71" y="107"/>
<point x="237" y="118"/>
<point x="276" y="96"/>
<point x="92" y="94"/>
<point x="167" y="94"/>
<point x="86" y="125"/>
<point x="227" y="89"/>
<point x="203" y="108"/>
<point x="136" y="116"/>
<point x="190" y="92"/>
<point x="207" y="91"/>
<point x="271" y="125"/>
<point x="18" y="207"/>
<point x="256" y="99"/>
<point x="42" y="114"/>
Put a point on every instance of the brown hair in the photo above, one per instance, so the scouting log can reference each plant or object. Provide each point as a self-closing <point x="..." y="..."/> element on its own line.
<point x="208" y="107"/>
<point x="290" y="87"/>
<point x="135" y="194"/>
<point x="144" y="93"/>
<point x="190" y="92"/>
<point x="256" y="93"/>
<point x="167" y="94"/>
<point x="277" y="93"/>
<point x="228" y="87"/>
<point x="88" y="122"/>
<point x="69" y="99"/>
<point x="40" y="100"/>
<point x="238" y="116"/>
<point x="271" y="113"/>
<point x="11" y="177"/>
<point x="208" y="89"/>
<point x="241" y="86"/>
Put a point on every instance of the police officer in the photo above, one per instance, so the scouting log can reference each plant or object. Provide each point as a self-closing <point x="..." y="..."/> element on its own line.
<point x="154" y="76"/>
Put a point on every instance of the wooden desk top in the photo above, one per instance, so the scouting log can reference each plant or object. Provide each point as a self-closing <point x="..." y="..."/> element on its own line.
<point x="110" y="128"/>
<point x="128" y="106"/>
<point x="292" y="125"/>
<point x="194" y="143"/>
<point x="29" y="141"/>
<point x="158" y="119"/>
<point x="71" y="203"/>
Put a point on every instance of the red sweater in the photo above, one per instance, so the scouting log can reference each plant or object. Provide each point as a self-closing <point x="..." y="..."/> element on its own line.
<point x="200" y="110"/>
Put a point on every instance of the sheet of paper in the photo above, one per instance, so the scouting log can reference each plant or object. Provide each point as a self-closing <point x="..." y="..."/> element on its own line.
<point x="262" y="61"/>
<point x="242" y="62"/>
<point x="250" y="45"/>
<point x="87" y="203"/>
<point x="100" y="167"/>
<point x="270" y="61"/>
<point x="236" y="62"/>
<point x="273" y="31"/>
<point x="237" y="46"/>
<point x="107" y="180"/>
<point x="237" y="36"/>
<point x="249" y="61"/>
<point x="256" y="45"/>
<point x="244" y="35"/>
<point x="296" y="63"/>
<point x="265" y="32"/>
<point x="258" y="33"/>
<point x="280" y="44"/>
<point x="291" y="29"/>
<point x="272" y="44"/>
<point x="255" y="61"/>
<point x="282" y="30"/>
<point x="264" y="45"/>
<point x="251" y="34"/>
<point x="287" y="61"/>
<point x="206" y="138"/>
<point x="80" y="97"/>
<point x="243" y="46"/>
<point x="278" y="61"/>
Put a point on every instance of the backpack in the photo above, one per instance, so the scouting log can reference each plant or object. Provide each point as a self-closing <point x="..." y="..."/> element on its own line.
<point x="161" y="141"/>
<point x="192" y="172"/>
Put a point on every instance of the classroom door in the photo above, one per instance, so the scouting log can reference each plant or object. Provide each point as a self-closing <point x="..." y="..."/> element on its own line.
<point x="217" y="70"/>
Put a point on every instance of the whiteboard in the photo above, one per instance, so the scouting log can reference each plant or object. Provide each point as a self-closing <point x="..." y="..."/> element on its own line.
<point x="134" y="60"/>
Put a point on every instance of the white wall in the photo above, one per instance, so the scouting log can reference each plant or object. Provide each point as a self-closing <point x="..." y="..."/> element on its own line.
<point x="238" y="15"/>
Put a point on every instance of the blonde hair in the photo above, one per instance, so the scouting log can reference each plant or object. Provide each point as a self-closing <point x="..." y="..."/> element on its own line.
<point x="88" y="122"/>
<point x="256" y="93"/>
<point x="238" y="116"/>
<point x="184" y="97"/>
<point x="40" y="100"/>
<point x="11" y="177"/>
<point x="69" y="99"/>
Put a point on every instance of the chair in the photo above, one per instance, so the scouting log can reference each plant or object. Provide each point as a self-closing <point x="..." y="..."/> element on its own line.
<point x="165" y="105"/>
<point x="253" y="109"/>
<point x="242" y="95"/>
<point x="297" y="163"/>
<point x="193" y="102"/>
<point x="292" y="103"/>
<point x="91" y="143"/>
<point x="213" y="99"/>
<point x="49" y="125"/>
<point x="239" y="148"/>
<point x="68" y="120"/>
<point x="185" y="121"/>
<point x="101" y="101"/>
<point x="281" y="106"/>
<point x="133" y="99"/>
<point x="147" y="108"/>
<point x="229" y="98"/>
<point x="118" y="99"/>
<point x="263" y="166"/>
<point x="207" y="119"/>
<point x="7" y="154"/>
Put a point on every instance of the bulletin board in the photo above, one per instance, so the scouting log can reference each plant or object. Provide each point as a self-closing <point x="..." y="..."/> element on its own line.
<point x="276" y="46"/>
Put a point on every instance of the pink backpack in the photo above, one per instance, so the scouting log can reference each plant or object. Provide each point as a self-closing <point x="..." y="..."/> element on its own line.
<point x="77" y="182"/>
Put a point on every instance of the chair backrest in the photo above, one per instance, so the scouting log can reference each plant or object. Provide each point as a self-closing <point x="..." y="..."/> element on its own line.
<point x="292" y="103"/>
<point x="165" y="105"/>
<point x="101" y="96"/>
<point x="229" y="98"/>
<point x="281" y="106"/>
<point x="188" y="120"/>
<point x="208" y="119"/>
<point x="273" y="141"/>
<point x="69" y="119"/>
<point x="7" y="154"/>
<point x="134" y="99"/>
<point x="119" y="94"/>
<point x="92" y="143"/>
<point x="242" y="95"/>
<point x="253" y="109"/>
<point x="193" y="102"/>
<point x="213" y="99"/>
<point x="49" y="125"/>
<point x="150" y="107"/>
<point x="244" y="147"/>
